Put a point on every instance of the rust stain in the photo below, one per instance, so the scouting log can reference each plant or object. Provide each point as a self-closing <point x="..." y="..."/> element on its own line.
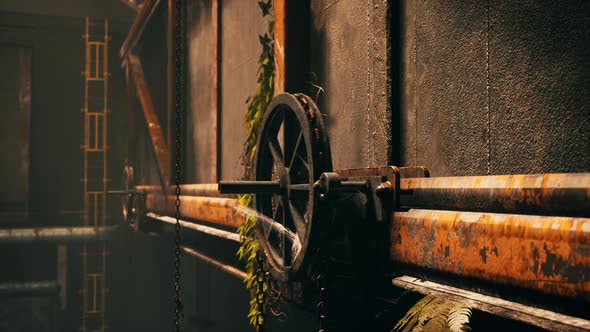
<point x="541" y="253"/>
<point x="214" y="210"/>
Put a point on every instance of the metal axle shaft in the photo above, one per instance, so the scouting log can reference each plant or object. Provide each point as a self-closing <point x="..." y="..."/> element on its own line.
<point x="250" y="187"/>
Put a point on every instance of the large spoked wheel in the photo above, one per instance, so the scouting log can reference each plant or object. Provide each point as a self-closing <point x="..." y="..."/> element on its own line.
<point x="293" y="149"/>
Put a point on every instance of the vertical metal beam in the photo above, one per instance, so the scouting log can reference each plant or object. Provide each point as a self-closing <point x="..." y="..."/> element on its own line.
<point x="24" y="116"/>
<point x="279" y="44"/>
<point x="62" y="274"/>
<point x="215" y="84"/>
<point x="292" y="24"/>
<point x="170" y="75"/>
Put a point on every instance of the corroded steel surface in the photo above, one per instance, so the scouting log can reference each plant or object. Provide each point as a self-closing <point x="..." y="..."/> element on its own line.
<point x="548" y="254"/>
<point x="143" y="16"/>
<point x="214" y="210"/>
<point x="552" y="194"/>
<point x="159" y="145"/>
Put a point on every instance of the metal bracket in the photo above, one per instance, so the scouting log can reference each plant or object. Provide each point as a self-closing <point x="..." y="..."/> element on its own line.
<point x="379" y="184"/>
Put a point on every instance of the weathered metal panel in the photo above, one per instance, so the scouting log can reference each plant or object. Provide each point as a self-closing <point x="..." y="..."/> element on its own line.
<point x="498" y="87"/>
<point x="348" y="79"/>
<point x="202" y="103"/>
<point x="241" y="22"/>
<point x="547" y="254"/>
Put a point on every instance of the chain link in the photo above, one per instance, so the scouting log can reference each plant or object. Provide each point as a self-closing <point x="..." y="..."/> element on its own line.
<point x="178" y="309"/>
<point x="321" y="306"/>
<point x="260" y="295"/>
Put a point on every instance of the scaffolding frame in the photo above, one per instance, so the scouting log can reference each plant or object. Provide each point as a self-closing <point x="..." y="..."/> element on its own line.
<point x="95" y="180"/>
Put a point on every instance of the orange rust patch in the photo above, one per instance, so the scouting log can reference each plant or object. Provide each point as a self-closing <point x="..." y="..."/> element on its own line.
<point x="214" y="210"/>
<point x="548" y="254"/>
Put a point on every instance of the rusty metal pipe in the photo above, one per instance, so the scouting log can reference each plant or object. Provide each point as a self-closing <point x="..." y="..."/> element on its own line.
<point x="224" y="267"/>
<point x="215" y="210"/>
<point x="541" y="253"/>
<point x="55" y="234"/>
<point x="540" y="194"/>
<point x="199" y="228"/>
<point x="36" y="288"/>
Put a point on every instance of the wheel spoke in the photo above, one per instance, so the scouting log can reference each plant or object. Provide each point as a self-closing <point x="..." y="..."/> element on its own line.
<point x="306" y="165"/>
<point x="275" y="150"/>
<point x="298" y="220"/>
<point x="295" y="149"/>
<point x="279" y="206"/>
<point x="283" y="242"/>
<point x="274" y="243"/>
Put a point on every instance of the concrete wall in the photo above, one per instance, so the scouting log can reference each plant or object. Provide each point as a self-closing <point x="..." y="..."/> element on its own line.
<point x="490" y="87"/>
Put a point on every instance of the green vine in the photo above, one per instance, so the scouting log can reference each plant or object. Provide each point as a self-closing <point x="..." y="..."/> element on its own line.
<point x="256" y="105"/>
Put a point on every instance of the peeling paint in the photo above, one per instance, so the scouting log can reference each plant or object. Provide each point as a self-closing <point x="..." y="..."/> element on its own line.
<point x="483" y="252"/>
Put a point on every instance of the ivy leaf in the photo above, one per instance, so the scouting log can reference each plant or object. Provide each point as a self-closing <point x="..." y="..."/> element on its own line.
<point x="265" y="6"/>
<point x="256" y="105"/>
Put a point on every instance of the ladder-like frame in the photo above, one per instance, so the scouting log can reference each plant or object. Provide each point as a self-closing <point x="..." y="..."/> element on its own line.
<point x="95" y="181"/>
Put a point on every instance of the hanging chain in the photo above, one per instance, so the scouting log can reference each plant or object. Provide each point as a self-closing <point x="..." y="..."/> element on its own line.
<point x="178" y="309"/>
<point x="321" y="306"/>
<point x="260" y="296"/>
